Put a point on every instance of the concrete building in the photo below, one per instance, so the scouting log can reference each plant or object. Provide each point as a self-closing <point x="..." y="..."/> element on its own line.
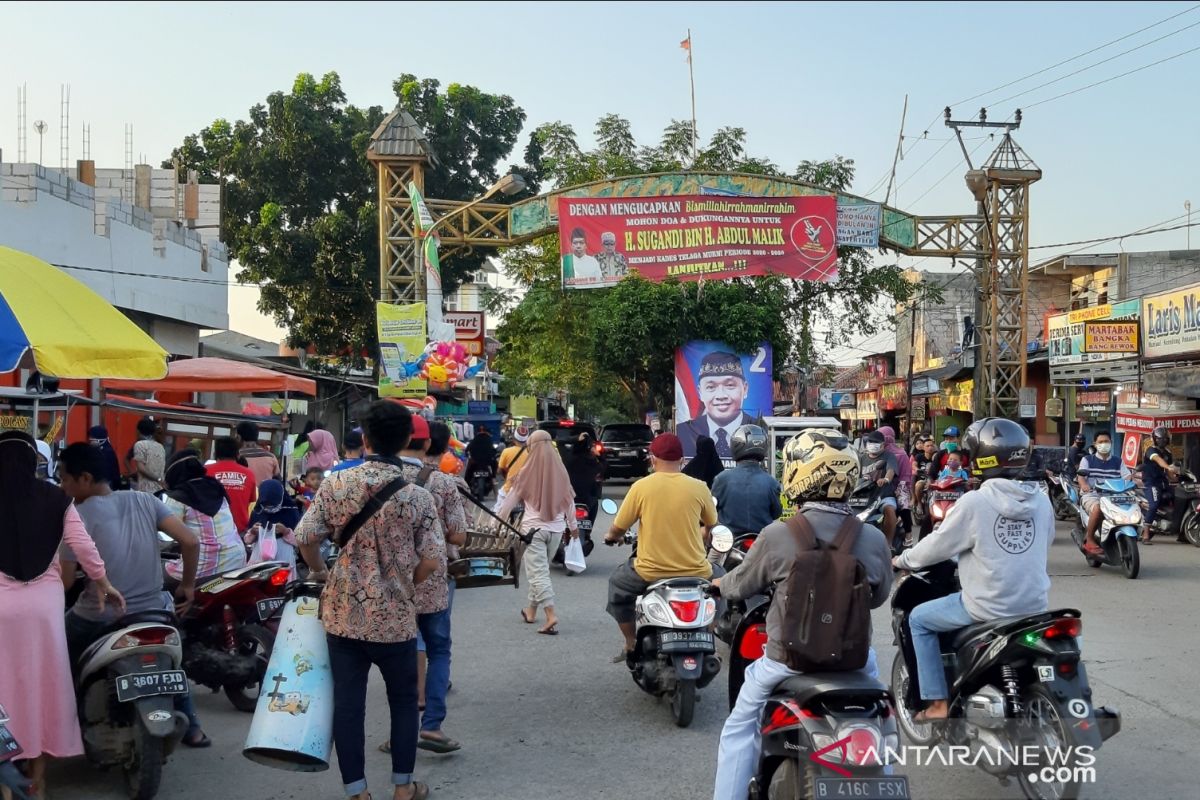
<point x="1096" y="279"/>
<point x="135" y="237"/>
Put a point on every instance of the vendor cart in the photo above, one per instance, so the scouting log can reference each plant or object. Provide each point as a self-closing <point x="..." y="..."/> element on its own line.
<point x="491" y="556"/>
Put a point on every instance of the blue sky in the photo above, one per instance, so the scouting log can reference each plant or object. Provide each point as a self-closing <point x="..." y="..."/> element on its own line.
<point x="805" y="80"/>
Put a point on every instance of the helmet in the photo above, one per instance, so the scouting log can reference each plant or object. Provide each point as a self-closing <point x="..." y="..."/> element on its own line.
<point x="1161" y="436"/>
<point x="819" y="465"/>
<point x="999" y="448"/>
<point x="951" y="432"/>
<point x="749" y="441"/>
<point x="1080" y="438"/>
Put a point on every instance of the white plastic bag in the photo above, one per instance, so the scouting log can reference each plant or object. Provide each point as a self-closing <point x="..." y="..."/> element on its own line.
<point x="265" y="547"/>
<point x="573" y="556"/>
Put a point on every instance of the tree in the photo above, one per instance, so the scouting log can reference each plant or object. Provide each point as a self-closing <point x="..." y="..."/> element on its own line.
<point x="299" y="211"/>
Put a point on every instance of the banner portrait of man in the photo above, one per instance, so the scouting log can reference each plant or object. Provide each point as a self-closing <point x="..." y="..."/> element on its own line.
<point x="717" y="391"/>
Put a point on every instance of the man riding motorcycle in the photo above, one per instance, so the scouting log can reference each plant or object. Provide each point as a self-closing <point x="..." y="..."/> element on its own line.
<point x="1093" y="471"/>
<point x="1001" y="534"/>
<point x="748" y="495"/>
<point x="1157" y="465"/>
<point x="1075" y="454"/>
<point x="820" y="471"/>
<point x="671" y="508"/>
<point x="879" y="466"/>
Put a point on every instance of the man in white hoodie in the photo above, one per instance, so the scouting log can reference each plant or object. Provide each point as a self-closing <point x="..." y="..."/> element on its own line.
<point x="1001" y="534"/>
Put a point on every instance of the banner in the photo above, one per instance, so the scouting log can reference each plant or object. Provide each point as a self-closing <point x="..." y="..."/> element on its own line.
<point x="522" y="406"/>
<point x="893" y="396"/>
<point x="468" y="330"/>
<point x="1111" y="337"/>
<point x="1065" y="332"/>
<point x="691" y="237"/>
<point x="401" y="332"/>
<point x="1171" y="323"/>
<point x="717" y="391"/>
<point x="858" y="224"/>
<point x="960" y="396"/>
<point x="831" y="399"/>
<point x="868" y="406"/>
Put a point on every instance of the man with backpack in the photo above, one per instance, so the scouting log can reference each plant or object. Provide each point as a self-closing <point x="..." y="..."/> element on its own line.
<point x="828" y="569"/>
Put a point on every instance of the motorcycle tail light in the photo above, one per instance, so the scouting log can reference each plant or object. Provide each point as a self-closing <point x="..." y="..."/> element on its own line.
<point x="862" y="745"/>
<point x="754" y="640"/>
<point x="1068" y="668"/>
<point x="280" y="577"/>
<point x="581" y="513"/>
<point x="1065" y="628"/>
<point x="145" y="637"/>
<point x="937" y="512"/>
<point x="749" y="542"/>
<point x="686" y="610"/>
<point x="785" y="715"/>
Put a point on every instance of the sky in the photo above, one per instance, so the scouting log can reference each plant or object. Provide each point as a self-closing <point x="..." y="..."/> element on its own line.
<point x="806" y="81"/>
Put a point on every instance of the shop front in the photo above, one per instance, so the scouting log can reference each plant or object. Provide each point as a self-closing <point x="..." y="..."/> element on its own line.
<point x="893" y="405"/>
<point x="867" y="410"/>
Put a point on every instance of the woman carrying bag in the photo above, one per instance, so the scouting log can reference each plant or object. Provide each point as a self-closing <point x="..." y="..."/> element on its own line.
<point x="544" y="487"/>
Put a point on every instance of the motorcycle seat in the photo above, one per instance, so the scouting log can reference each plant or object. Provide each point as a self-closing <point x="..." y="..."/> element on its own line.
<point x="140" y="617"/>
<point x="678" y="583"/>
<point x="251" y="569"/>
<point x="806" y="687"/>
<point x="1003" y="624"/>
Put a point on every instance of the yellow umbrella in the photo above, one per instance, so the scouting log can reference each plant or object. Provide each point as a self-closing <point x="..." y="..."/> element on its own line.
<point x="53" y="323"/>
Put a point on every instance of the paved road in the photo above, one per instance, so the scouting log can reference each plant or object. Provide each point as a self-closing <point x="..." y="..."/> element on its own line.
<point x="544" y="717"/>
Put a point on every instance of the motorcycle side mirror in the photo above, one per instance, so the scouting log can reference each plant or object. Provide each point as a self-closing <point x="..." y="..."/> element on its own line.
<point x="164" y="539"/>
<point x="722" y="539"/>
<point x="608" y="505"/>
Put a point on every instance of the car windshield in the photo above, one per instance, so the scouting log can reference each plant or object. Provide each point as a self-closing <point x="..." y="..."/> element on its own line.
<point x="626" y="433"/>
<point x="567" y="433"/>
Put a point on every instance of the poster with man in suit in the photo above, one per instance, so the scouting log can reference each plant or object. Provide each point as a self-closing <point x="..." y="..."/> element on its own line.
<point x="717" y="391"/>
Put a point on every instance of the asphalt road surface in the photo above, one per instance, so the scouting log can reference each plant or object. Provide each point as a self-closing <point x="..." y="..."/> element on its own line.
<point x="544" y="717"/>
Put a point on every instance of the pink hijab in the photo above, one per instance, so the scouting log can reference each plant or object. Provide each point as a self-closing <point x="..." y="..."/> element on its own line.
<point x="322" y="450"/>
<point x="903" y="463"/>
<point x="543" y="482"/>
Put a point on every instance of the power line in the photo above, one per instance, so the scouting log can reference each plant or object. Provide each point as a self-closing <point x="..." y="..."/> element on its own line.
<point x="1113" y="78"/>
<point x="184" y="279"/>
<point x="1120" y="236"/>
<point x="949" y="172"/>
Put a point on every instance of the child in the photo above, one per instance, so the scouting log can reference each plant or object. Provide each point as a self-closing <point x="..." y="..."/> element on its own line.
<point x="954" y="468"/>
<point x="307" y="489"/>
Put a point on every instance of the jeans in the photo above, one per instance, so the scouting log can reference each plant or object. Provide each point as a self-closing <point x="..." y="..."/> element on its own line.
<point x="926" y="622"/>
<point x="741" y="738"/>
<point x="350" y="662"/>
<point x="433" y="636"/>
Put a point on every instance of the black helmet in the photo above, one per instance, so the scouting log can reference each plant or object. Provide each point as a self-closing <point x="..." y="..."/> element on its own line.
<point x="999" y="448"/>
<point x="749" y="441"/>
<point x="1161" y="436"/>
<point x="1080" y="439"/>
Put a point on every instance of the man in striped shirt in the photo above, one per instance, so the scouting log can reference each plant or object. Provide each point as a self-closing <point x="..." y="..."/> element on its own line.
<point x="1093" y="471"/>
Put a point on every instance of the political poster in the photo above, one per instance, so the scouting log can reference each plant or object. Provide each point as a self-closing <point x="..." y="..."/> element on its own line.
<point x="833" y="399"/>
<point x="694" y="237"/>
<point x="401" y="331"/>
<point x="858" y="224"/>
<point x="718" y="390"/>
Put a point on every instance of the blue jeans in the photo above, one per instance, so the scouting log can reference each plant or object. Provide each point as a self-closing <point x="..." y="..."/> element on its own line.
<point x="926" y="622"/>
<point x="350" y="662"/>
<point x="741" y="738"/>
<point x="433" y="637"/>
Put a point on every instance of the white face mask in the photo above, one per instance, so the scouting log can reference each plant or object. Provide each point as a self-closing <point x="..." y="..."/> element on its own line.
<point x="1104" y="448"/>
<point x="874" y="448"/>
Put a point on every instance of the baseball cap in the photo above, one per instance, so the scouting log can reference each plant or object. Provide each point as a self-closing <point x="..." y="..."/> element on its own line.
<point x="667" y="447"/>
<point x="420" y="427"/>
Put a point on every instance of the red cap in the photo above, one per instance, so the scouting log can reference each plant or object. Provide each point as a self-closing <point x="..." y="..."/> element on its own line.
<point x="420" y="427"/>
<point x="667" y="447"/>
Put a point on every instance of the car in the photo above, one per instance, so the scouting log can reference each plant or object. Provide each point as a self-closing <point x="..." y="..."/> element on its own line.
<point x="625" y="449"/>
<point x="564" y="431"/>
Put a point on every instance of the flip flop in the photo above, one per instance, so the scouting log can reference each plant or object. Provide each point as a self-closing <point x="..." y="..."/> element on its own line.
<point x="622" y="658"/>
<point x="551" y="631"/>
<point x="195" y="743"/>
<point x="526" y="619"/>
<point x="442" y="746"/>
<point x="386" y="747"/>
<point x="920" y="719"/>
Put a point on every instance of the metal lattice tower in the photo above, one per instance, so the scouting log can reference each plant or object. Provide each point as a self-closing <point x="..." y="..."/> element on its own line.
<point x="128" y="191"/>
<point x="64" y="125"/>
<point x="22" y="123"/>
<point x="400" y="151"/>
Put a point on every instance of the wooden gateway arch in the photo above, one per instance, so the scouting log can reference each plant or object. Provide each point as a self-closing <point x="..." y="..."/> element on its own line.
<point x="995" y="239"/>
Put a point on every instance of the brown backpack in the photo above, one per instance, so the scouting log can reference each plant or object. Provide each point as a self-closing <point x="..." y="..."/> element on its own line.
<point x="827" y="601"/>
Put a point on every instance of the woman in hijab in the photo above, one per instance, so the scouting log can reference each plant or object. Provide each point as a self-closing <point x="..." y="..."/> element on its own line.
<point x="585" y="472"/>
<point x="706" y="465"/>
<point x="98" y="435"/>
<point x="322" y="451"/>
<point x="36" y="519"/>
<point x="200" y="501"/>
<point x="904" y="476"/>
<point x="545" y="489"/>
<point x="275" y="510"/>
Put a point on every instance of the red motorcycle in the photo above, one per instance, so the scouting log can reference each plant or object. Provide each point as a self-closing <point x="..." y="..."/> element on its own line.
<point x="941" y="495"/>
<point x="230" y="629"/>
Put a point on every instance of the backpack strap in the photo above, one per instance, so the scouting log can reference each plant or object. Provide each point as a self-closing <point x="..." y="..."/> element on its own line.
<point x="423" y="475"/>
<point x="369" y="509"/>
<point x="847" y="535"/>
<point x="802" y="532"/>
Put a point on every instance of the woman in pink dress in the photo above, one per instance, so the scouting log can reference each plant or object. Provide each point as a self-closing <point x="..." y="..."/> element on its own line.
<point x="35" y="673"/>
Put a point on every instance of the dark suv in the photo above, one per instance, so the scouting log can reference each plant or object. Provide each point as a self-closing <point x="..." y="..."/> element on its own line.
<point x="564" y="431"/>
<point x="625" y="450"/>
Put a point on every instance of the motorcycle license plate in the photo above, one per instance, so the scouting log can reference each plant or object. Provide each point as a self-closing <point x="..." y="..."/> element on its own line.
<point x="585" y="524"/>
<point x="149" y="684"/>
<point x="861" y="788"/>
<point x="675" y="641"/>
<point x="268" y="607"/>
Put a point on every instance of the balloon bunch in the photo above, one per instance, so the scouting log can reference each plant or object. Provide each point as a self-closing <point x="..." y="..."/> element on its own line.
<point x="444" y="364"/>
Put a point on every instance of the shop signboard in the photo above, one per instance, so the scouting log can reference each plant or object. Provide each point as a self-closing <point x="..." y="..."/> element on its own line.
<point x="858" y="224"/>
<point x="925" y="386"/>
<point x="1131" y="450"/>
<point x="893" y="396"/>
<point x="1171" y="323"/>
<point x="1066" y="332"/>
<point x="830" y="399"/>
<point x="468" y="330"/>
<point x="1132" y="422"/>
<point x="1103" y="336"/>
<point x="917" y="412"/>
<point x="960" y="396"/>
<point x="1094" y="400"/>
<point x="16" y="422"/>
<point x="401" y="331"/>
<point x="868" y="406"/>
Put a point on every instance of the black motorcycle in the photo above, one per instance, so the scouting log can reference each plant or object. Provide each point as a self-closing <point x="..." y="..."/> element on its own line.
<point x="10" y="777"/>
<point x="1015" y="683"/>
<point x="480" y="480"/>
<point x="585" y="518"/>
<point x="1178" y="509"/>
<point x="824" y="734"/>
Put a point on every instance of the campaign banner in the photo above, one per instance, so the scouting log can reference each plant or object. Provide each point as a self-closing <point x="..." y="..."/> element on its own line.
<point x="401" y="331"/>
<point x="1171" y="323"/>
<point x="858" y="224"/>
<point x="834" y="399"/>
<point x="717" y="391"/>
<point x="692" y="237"/>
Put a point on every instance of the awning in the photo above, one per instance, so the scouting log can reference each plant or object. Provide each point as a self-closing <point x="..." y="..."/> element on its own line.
<point x="945" y="373"/>
<point x="218" y="375"/>
<point x="1177" y="381"/>
<point x="1145" y="421"/>
<point x="184" y="413"/>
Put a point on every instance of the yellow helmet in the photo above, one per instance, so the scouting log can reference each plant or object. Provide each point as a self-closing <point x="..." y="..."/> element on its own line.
<point x="819" y="465"/>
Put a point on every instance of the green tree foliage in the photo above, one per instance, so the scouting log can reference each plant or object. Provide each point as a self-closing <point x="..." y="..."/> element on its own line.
<point x="299" y="211"/>
<point x="626" y="336"/>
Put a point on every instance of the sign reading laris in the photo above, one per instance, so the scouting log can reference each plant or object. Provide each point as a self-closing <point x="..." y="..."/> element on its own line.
<point x="691" y="237"/>
<point x="1171" y="323"/>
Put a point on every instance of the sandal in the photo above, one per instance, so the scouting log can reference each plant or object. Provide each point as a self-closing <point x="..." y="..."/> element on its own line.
<point x="442" y="746"/>
<point x="526" y="619"/>
<point x="551" y="631"/>
<point x="420" y="791"/>
<point x="192" y="741"/>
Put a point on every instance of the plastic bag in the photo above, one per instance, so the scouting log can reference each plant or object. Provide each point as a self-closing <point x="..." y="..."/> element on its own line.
<point x="265" y="547"/>
<point x="573" y="556"/>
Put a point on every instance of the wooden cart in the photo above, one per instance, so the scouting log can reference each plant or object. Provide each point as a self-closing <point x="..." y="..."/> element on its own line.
<point x="491" y="556"/>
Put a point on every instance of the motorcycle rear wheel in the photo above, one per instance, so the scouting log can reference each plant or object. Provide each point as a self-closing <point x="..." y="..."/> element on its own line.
<point x="1191" y="529"/>
<point x="143" y="773"/>
<point x="919" y="734"/>
<point x="787" y="783"/>
<point x="256" y="641"/>
<point x="683" y="702"/>
<point x="1131" y="562"/>
<point x="1050" y="730"/>
<point x="1063" y="509"/>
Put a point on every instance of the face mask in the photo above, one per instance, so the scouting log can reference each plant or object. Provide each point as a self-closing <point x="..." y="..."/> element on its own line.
<point x="1104" y="448"/>
<point x="875" y="449"/>
<point x="950" y="446"/>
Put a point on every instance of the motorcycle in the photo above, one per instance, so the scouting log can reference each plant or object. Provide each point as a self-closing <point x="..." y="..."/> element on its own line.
<point x="942" y="494"/>
<point x="11" y="778"/>
<point x="1064" y="494"/>
<point x="1122" y="519"/>
<point x="1175" y="514"/>
<point x="823" y="734"/>
<point x="1017" y="687"/>
<point x="480" y="481"/>
<point x="866" y="502"/>
<point x="584" y="520"/>
<point x="126" y="686"/>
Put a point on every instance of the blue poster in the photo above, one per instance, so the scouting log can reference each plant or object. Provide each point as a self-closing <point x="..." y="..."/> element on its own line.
<point x="717" y="391"/>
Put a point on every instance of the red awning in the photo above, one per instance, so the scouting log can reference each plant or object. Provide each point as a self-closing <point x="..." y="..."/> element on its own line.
<point x="218" y="375"/>
<point x="1144" y="421"/>
<point x="185" y="413"/>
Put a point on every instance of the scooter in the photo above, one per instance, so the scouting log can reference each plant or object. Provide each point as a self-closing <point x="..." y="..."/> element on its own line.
<point x="675" y="652"/>
<point x="481" y="481"/>
<point x="1122" y="520"/>
<point x="943" y="494"/>
<point x="1017" y="687"/>
<point x="825" y="734"/>
<point x="1174" y="508"/>
<point x="1064" y="494"/>
<point x="10" y="777"/>
<point x="126" y="687"/>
